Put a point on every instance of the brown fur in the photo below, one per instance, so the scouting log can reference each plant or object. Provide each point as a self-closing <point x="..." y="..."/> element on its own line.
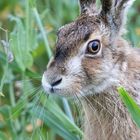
<point x="95" y="78"/>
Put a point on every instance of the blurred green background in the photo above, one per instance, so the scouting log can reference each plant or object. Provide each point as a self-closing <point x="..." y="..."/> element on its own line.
<point x="27" y="29"/>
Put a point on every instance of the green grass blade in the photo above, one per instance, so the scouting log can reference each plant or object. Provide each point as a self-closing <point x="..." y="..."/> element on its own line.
<point x="40" y="25"/>
<point x="67" y="109"/>
<point x="52" y="122"/>
<point x="55" y="110"/>
<point x="58" y="121"/>
<point x="131" y="105"/>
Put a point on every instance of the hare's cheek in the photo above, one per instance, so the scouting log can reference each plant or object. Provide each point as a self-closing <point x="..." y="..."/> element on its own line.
<point x="92" y="67"/>
<point x="75" y="73"/>
<point x="74" y="66"/>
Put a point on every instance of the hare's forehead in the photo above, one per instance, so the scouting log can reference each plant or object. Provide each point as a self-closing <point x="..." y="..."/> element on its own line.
<point x="80" y="29"/>
<point x="71" y="35"/>
<point x="69" y="39"/>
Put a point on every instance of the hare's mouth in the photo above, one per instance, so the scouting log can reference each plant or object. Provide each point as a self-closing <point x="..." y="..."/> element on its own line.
<point x="60" y="87"/>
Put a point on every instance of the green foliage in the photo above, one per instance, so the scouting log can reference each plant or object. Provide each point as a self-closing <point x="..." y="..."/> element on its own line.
<point x="132" y="106"/>
<point x="29" y="30"/>
<point x="19" y="44"/>
<point x="53" y="116"/>
<point x="134" y="25"/>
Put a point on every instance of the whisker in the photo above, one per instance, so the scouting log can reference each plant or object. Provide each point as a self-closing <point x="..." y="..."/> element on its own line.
<point x="23" y="102"/>
<point x="86" y="116"/>
<point x="78" y="103"/>
<point x="103" y="107"/>
<point x="24" y="81"/>
<point x="112" y="101"/>
<point x="94" y="111"/>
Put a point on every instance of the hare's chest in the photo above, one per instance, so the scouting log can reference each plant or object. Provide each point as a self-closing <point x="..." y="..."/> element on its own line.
<point x="103" y="124"/>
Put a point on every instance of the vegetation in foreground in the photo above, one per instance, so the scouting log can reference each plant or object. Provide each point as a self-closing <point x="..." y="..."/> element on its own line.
<point x="28" y="34"/>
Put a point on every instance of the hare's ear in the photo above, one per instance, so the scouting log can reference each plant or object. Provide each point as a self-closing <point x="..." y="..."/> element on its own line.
<point x="106" y="6"/>
<point x="87" y="6"/>
<point x="115" y="13"/>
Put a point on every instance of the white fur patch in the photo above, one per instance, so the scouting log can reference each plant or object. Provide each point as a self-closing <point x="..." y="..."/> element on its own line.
<point x="96" y="89"/>
<point x="109" y="77"/>
<point x="105" y="84"/>
<point x="74" y="65"/>
<point x="124" y="66"/>
<point x="45" y="84"/>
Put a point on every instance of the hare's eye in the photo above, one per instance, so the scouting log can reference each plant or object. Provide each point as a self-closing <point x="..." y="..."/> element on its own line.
<point x="93" y="47"/>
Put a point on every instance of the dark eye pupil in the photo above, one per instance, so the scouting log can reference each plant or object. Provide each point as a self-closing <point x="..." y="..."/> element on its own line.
<point x="95" y="46"/>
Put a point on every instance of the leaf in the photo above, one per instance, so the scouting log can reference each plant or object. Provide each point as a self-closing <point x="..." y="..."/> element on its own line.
<point x="19" y="46"/>
<point x="131" y="105"/>
<point x="56" y="111"/>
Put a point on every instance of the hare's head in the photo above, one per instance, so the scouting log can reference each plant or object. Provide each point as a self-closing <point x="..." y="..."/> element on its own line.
<point x="89" y="51"/>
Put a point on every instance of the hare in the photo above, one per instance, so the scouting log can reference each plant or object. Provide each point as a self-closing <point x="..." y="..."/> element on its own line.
<point x="91" y="60"/>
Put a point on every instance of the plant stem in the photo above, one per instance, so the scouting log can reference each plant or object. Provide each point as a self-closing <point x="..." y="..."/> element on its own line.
<point x="13" y="104"/>
<point x="40" y="25"/>
<point x="67" y="109"/>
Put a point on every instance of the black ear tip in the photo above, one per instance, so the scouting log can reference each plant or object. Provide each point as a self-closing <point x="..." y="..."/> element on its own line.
<point x="116" y="1"/>
<point x="106" y="6"/>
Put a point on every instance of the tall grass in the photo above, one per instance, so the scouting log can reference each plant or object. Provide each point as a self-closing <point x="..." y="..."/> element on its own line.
<point x="29" y="30"/>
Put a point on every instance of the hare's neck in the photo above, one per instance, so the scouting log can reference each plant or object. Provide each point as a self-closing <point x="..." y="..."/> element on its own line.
<point x="106" y="118"/>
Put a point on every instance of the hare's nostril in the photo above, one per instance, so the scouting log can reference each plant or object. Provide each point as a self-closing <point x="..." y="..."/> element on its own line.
<point x="57" y="82"/>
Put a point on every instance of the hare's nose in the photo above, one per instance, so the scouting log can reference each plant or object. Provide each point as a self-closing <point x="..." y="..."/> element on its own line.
<point x="56" y="82"/>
